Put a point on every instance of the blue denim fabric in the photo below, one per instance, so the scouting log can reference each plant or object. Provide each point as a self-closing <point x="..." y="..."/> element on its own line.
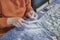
<point x="46" y="28"/>
<point x="28" y="33"/>
<point x="57" y="1"/>
<point x="51" y="20"/>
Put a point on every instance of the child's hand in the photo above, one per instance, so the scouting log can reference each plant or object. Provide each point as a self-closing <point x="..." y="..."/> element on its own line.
<point x="18" y="22"/>
<point x="33" y="15"/>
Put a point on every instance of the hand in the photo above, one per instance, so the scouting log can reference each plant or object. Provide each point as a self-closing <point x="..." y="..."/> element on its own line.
<point x="18" y="22"/>
<point x="33" y="15"/>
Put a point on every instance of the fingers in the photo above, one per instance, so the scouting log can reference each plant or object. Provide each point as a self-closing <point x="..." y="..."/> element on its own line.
<point x="22" y="21"/>
<point x="17" y="24"/>
<point x="33" y="15"/>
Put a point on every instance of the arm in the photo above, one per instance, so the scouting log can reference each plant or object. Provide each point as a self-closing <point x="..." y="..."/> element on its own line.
<point x="7" y="20"/>
<point x="28" y="7"/>
<point x="3" y="21"/>
<point x="29" y="10"/>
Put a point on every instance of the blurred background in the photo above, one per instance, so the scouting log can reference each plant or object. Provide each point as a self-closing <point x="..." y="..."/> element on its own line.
<point x="39" y="4"/>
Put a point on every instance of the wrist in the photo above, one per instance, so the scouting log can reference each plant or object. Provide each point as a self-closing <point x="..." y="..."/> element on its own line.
<point x="10" y="21"/>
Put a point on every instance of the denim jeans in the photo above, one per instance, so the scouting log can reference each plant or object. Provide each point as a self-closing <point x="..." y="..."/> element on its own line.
<point x="45" y="28"/>
<point x="34" y="32"/>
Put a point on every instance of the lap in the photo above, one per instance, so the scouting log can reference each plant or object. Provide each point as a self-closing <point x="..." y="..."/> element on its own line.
<point x="38" y="33"/>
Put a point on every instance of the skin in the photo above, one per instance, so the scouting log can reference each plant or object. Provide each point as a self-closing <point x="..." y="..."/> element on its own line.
<point x="18" y="22"/>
